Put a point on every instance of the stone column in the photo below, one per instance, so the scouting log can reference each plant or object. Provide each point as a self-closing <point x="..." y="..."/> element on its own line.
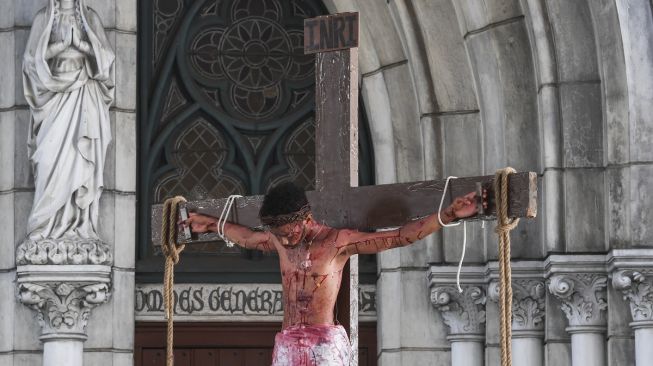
<point x="527" y="321"/>
<point x="637" y="287"/>
<point x="584" y="302"/>
<point x="63" y="296"/>
<point x="464" y="314"/>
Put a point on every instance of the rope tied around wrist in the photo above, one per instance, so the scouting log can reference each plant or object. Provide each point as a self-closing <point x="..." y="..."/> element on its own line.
<point x="442" y="224"/>
<point x="222" y="220"/>
<point x="171" y="250"/>
<point x="504" y="225"/>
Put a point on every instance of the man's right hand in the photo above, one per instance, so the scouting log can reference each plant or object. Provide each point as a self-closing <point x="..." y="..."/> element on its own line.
<point x="199" y="223"/>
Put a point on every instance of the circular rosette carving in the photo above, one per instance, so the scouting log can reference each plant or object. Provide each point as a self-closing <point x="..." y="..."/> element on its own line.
<point x="255" y="53"/>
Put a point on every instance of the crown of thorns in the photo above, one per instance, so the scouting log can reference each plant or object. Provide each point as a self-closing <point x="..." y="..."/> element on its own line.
<point x="280" y="220"/>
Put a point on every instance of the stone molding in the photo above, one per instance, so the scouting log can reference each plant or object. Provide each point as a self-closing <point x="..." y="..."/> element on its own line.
<point x="584" y="299"/>
<point x="463" y="313"/>
<point x="63" y="251"/>
<point x="63" y="296"/>
<point x="528" y="304"/>
<point x="637" y="289"/>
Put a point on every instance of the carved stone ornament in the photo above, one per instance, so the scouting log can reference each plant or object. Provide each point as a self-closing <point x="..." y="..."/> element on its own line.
<point x="528" y="303"/>
<point x="63" y="308"/>
<point x="63" y="296"/>
<point x="583" y="296"/>
<point x="68" y="250"/>
<point x="464" y="313"/>
<point x="638" y="290"/>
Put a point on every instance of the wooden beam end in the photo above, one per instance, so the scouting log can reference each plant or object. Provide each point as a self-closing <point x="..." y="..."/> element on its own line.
<point x="531" y="211"/>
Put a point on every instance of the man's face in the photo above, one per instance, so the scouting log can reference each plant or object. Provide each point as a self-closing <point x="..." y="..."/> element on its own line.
<point x="292" y="233"/>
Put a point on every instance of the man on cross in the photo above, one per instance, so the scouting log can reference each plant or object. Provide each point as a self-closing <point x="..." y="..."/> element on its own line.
<point x="312" y="257"/>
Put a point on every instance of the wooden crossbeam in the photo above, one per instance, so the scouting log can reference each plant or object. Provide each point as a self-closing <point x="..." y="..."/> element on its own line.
<point x="376" y="207"/>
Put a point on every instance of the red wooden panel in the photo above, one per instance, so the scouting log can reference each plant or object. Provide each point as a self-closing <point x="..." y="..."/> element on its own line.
<point x="258" y="356"/>
<point x="225" y="344"/>
<point x="206" y="357"/>
<point x="232" y="357"/>
<point x="363" y="357"/>
<point x="153" y="357"/>
<point x="183" y="357"/>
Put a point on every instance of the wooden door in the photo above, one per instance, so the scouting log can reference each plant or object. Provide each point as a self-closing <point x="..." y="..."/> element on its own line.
<point x="225" y="344"/>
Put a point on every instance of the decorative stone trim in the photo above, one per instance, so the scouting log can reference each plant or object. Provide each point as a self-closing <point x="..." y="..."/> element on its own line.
<point x="583" y="296"/>
<point x="637" y="288"/>
<point x="464" y="312"/>
<point x="69" y="250"/>
<point x="229" y="302"/>
<point x="528" y="304"/>
<point x="63" y="296"/>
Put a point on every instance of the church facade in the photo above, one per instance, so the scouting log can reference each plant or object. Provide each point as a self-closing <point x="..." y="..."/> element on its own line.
<point x="208" y="98"/>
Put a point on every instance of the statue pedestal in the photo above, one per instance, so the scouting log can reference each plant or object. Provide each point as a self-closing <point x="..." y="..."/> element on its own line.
<point x="63" y="297"/>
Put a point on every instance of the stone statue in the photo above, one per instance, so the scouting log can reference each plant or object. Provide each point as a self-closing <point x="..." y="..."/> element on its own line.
<point x="68" y="80"/>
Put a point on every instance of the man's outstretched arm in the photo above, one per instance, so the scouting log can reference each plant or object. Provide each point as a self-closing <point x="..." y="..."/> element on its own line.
<point x="356" y="242"/>
<point x="241" y="235"/>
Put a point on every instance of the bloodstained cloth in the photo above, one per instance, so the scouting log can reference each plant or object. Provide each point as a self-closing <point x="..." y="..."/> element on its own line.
<point x="312" y="345"/>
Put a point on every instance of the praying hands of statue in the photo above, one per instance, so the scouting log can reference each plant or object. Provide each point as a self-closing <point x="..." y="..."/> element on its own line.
<point x="55" y="48"/>
<point x="80" y="44"/>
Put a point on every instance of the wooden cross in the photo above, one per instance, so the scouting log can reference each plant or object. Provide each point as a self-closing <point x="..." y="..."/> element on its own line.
<point x="337" y="200"/>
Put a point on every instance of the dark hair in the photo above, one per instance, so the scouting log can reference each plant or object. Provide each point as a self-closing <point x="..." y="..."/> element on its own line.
<point x="284" y="203"/>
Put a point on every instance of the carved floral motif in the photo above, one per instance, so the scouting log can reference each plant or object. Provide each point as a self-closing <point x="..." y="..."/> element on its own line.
<point x="638" y="290"/>
<point x="527" y="304"/>
<point x="63" y="308"/>
<point x="583" y="297"/>
<point x="464" y="313"/>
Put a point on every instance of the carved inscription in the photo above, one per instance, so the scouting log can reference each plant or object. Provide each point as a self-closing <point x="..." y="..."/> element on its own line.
<point x="227" y="302"/>
<point x="331" y="32"/>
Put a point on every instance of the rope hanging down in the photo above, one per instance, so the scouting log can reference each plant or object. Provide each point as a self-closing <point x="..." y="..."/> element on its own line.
<point x="171" y="250"/>
<point x="504" y="225"/>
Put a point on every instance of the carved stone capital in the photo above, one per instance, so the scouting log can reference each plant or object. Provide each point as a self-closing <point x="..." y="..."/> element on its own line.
<point x="63" y="297"/>
<point x="637" y="288"/>
<point x="464" y="312"/>
<point x="68" y="250"/>
<point x="528" y="303"/>
<point x="583" y="296"/>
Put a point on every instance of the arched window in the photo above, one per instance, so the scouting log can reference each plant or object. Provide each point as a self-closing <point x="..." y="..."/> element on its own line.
<point x="226" y="106"/>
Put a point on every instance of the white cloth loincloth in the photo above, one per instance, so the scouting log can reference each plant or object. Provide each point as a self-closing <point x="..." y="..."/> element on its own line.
<point x="312" y="345"/>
